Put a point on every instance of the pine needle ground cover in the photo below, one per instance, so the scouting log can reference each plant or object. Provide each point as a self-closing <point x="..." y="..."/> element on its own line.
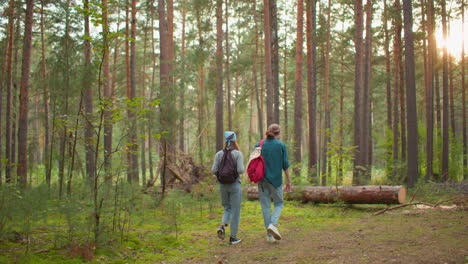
<point x="182" y="229"/>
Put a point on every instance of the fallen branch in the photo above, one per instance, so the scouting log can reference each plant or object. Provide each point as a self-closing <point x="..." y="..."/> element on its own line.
<point x="399" y="206"/>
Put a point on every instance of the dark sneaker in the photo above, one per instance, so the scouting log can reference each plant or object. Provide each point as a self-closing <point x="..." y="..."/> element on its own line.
<point x="221" y="232"/>
<point x="272" y="230"/>
<point x="234" y="240"/>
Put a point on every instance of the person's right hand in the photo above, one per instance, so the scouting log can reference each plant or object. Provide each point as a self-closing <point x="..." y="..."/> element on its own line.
<point x="287" y="188"/>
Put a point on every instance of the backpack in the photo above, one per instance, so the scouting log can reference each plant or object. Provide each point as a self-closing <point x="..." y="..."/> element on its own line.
<point x="227" y="171"/>
<point x="256" y="164"/>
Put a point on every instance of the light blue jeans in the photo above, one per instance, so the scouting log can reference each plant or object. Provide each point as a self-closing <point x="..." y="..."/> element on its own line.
<point x="231" y="197"/>
<point x="267" y="193"/>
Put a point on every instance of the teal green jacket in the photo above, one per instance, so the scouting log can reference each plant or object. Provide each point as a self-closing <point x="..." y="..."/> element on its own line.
<point x="276" y="160"/>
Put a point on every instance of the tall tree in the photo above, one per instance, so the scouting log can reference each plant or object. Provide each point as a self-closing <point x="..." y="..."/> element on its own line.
<point x="463" y="87"/>
<point x="9" y="87"/>
<point x="298" y="83"/>
<point x="274" y="58"/>
<point x="429" y="92"/>
<point x="326" y="168"/>
<point x="396" y="82"/>
<point x="268" y="59"/>
<point x="23" y="114"/>
<point x="219" y="75"/>
<point x="358" y="83"/>
<point x="311" y="36"/>
<point x="258" y="88"/>
<point x="107" y="86"/>
<point x="366" y="142"/>
<point x="228" y="69"/>
<point x="133" y="154"/>
<point x="182" y="90"/>
<point x="411" y="119"/>
<point x="88" y="98"/>
<point x="445" y="99"/>
<point x="45" y="99"/>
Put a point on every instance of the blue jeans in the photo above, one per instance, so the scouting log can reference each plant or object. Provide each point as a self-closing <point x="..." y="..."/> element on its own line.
<point x="231" y="197"/>
<point x="267" y="193"/>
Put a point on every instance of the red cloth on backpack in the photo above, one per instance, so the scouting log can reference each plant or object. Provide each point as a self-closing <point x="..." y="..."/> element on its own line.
<point x="256" y="167"/>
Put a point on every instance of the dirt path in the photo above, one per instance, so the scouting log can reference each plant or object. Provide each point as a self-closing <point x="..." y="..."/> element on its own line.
<point x="406" y="236"/>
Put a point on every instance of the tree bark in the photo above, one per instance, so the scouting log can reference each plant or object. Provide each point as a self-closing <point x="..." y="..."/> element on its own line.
<point x="445" y="101"/>
<point x="275" y="58"/>
<point x="219" y="76"/>
<point x="312" y="86"/>
<point x="463" y="87"/>
<point x="228" y="72"/>
<point x="258" y="93"/>
<point x="412" y="120"/>
<point x="268" y="61"/>
<point x="45" y="98"/>
<point x="298" y="84"/>
<point x="396" y="83"/>
<point x="182" y="90"/>
<point x="327" y="140"/>
<point x="371" y="194"/>
<point x="107" y="84"/>
<point x="133" y="166"/>
<point x="9" y="87"/>
<point x="366" y="102"/>
<point x="358" y="88"/>
<point x="23" y="114"/>
<point x="88" y="100"/>
<point x="429" y="92"/>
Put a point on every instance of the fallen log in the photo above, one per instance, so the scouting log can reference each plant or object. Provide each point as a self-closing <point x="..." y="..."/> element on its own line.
<point x="372" y="194"/>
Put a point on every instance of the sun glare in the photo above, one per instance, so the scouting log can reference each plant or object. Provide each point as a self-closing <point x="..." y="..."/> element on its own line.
<point x="454" y="39"/>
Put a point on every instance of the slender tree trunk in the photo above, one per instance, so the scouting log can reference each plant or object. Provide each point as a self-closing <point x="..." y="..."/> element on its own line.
<point x="463" y="87"/>
<point x="358" y="87"/>
<point x="88" y="101"/>
<point x="23" y="114"/>
<point x="143" y="140"/>
<point x="298" y="83"/>
<point x="134" y="175"/>
<point x="285" y="98"/>
<point x="388" y="78"/>
<point x="45" y="98"/>
<point x="412" y="120"/>
<point x="341" y="132"/>
<point x="228" y="72"/>
<point x="445" y="101"/>
<point x="182" y="90"/>
<point x="366" y="104"/>
<point x="429" y="91"/>
<point x="200" y="87"/>
<point x="258" y="93"/>
<point x="274" y="58"/>
<point x="312" y="87"/>
<point x="397" y="75"/>
<point x="268" y="59"/>
<point x="153" y="77"/>
<point x="327" y="142"/>
<point x="424" y="28"/>
<point x="451" y="103"/>
<point x="9" y="87"/>
<point x="107" y="87"/>
<point x="219" y="76"/>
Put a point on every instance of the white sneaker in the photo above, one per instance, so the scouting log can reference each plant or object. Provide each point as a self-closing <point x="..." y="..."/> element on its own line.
<point x="274" y="232"/>
<point x="271" y="239"/>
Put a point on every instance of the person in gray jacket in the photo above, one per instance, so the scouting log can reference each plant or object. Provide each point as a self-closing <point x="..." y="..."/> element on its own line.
<point x="231" y="193"/>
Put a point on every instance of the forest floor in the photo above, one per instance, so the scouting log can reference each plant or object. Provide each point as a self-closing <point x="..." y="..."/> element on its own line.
<point x="333" y="233"/>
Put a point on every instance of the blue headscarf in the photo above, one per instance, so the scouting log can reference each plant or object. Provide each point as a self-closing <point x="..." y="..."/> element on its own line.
<point x="229" y="136"/>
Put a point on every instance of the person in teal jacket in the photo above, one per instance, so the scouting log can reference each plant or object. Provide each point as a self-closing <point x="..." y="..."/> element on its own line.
<point x="275" y="155"/>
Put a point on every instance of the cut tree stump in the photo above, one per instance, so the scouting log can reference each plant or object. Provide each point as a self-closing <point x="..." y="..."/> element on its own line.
<point x="371" y="194"/>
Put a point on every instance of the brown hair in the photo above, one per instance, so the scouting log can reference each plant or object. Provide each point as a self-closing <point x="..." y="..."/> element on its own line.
<point x="234" y="145"/>
<point x="273" y="131"/>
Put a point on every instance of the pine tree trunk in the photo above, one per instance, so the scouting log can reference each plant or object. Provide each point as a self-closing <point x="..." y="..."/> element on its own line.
<point x="366" y="113"/>
<point x="219" y="76"/>
<point x="88" y="103"/>
<point x="388" y="78"/>
<point x="182" y="90"/>
<point x="9" y="87"/>
<point x="412" y="120"/>
<point x="430" y="91"/>
<point x="268" y="61"/>
<point x="45" y="98"/>
<point x="23" y="114"/>
<point x="275" y="58"/>
<point x="298" y="84"/>
<point x="445" y="101"/>
<point x="133" y="166"/>
<point x="258" y="89"/>
<point x="107" y="87"/>
<point x="285" y="98"/>
<point x="463" y="87"/>
<point x="327" y="168"/>
<point x="358" y="87"/>
<point x="312" y="87"/>
<point x="228" y="72"/>
<point x="396" y="83"/>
